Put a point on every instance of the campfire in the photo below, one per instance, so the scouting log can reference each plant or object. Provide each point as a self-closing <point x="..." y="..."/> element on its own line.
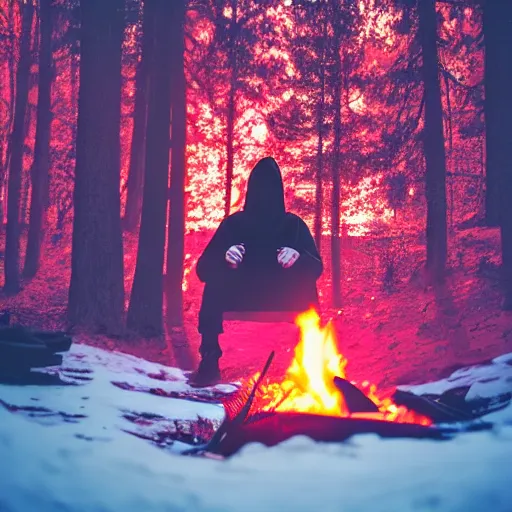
<point x="315" y="399"/>
<point x="316" y="382"/>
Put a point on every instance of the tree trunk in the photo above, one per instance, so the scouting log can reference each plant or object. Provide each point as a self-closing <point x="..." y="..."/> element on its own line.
<point x="74" y="69"/>
<point x="335" y="170"/>
<point x="498" y="41"/>
<point x="319" y="192"/>
<point x="96" y="292"/>
<point x="25" y="177"/>
<point x="7" y="158"/>
<point x="449" y="136"/>
<point x="146" y="301"/>
<point x="176" y="223"/>
<point x="506" y="225"/>
<point x="138" y="147"/>
<point x="495" y="55"/>
<point x="433" y="143"/>
<point x="25" y="190"/>
<point x="41" y="165"/>
<point x="231" y="115"/>
<point x="12" y="239"/>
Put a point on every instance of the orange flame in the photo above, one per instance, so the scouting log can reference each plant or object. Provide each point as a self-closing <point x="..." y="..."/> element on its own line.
<point x="308" y="385"/>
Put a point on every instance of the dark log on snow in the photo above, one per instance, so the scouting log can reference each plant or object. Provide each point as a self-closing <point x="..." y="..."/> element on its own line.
<point x="274" y="428"/>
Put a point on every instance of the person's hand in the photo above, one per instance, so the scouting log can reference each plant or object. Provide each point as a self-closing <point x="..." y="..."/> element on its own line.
<point x="235" y="255"/>
<point x="287" y="256"/>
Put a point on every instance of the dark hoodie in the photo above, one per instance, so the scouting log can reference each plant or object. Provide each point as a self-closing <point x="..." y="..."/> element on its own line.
<point x="263" y="226"/>
<point x="265" y="192"/>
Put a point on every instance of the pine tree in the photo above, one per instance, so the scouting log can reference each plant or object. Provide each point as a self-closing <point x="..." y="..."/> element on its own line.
<point x="337" y="84"/>
<point x="41" y="165"/>
<point x="319" y="195"/>
<point x="7" y="53"/>
<point x="495" y="56"/>
<point x="96" y="292"/>
<point x="176" y="222"/>
<point x="138" y="146"/>
<point x="12" y="238"/>
<point x="433" y="140"/>
<point x="498" y="81"/>
<point x="146" y="301"/>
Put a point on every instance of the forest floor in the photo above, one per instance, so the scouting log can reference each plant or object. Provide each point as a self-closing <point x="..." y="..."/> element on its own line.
<point x="391" y="328"/>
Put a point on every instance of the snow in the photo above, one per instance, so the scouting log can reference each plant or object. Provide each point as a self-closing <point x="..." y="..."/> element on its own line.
<point x="59" y="461"/>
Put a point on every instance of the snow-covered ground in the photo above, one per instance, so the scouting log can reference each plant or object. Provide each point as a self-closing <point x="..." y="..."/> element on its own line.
<point x="78" y="447"/>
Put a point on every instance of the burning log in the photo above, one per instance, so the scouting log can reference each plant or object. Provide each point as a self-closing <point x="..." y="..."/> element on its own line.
<point x="315" y="399"/>
<point x="271" y="429"/>
<point x="355" y="399"/>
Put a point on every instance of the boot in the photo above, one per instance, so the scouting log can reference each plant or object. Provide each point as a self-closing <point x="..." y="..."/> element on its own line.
<point x="208" y="373"/>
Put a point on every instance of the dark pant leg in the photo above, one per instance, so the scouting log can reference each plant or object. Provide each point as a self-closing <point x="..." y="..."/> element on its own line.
<point x="212" y="309"/>
<point x="210" y="346"/>
<point x="210" y="320"/>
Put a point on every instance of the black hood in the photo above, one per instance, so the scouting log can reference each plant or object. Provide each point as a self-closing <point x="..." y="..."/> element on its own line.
<point x="265" y="192"/>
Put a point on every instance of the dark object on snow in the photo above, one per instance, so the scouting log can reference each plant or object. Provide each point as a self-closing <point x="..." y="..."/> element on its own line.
<point x="15" y="377"/>
<point x="437" y="411"/>
<point x="58" y="341"/>
<point x="273" y="428"/>
<point x="22" y="349"/>
<point x="355" y="399"/>
<point x="259" y="283"/>
<point x="451" y="406"/>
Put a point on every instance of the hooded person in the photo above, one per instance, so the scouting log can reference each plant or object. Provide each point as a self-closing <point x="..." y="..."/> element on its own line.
<point x="261" y="258"/>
